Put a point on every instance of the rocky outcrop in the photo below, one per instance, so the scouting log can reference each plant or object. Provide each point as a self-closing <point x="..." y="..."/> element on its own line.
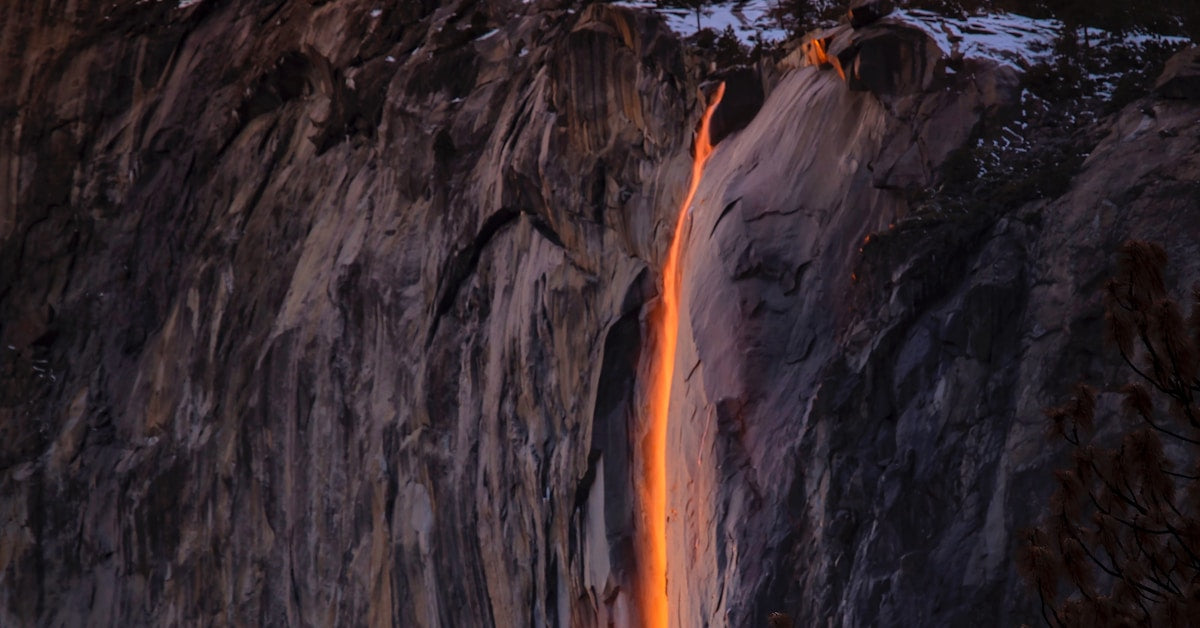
<point x="863" y="12"/>
<point x="875" y="391"/>
<point x="327" y="313"/>
<point x="1181" y="78"/>
<point x="873" y="380"/>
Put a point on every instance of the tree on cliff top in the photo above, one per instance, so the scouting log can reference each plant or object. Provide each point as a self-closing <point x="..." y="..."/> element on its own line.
<point x="1120" y="544"/>
<point x="1168" y="17"/>
<point x="691" y="5"/>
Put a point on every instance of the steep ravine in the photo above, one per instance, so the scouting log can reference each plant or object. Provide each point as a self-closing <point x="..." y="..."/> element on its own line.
<point x="324" y="313"/>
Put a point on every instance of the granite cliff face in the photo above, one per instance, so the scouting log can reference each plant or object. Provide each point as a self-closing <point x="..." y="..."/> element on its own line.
<point x="308" y="313"/>
<point x="324" y="313"/>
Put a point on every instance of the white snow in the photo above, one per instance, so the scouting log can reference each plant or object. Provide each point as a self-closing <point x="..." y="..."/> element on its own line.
<point x="1016" y="40"/>
<point x="183" y="4"/>
<point x="1142" y="38"/>
<point x="1107" y="77"/>
<point x="748" y="18"/>
<point x="1009" y="38"/>
<point x="376" y="12"/>
<point x="1012" y="39"/>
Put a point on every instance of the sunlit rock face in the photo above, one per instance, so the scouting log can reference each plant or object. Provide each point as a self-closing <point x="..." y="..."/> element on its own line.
<point x="335" y="313"/>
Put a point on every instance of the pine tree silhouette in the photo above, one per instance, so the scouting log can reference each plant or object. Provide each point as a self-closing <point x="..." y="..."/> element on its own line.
<point x="1120" y="545"/>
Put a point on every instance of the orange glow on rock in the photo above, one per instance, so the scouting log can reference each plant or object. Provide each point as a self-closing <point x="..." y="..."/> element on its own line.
<point x="653" y="542"/>
<point x="816" y="55"/>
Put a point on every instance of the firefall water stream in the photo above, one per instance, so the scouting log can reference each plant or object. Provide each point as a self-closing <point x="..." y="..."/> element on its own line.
<point x="655" y="607"/>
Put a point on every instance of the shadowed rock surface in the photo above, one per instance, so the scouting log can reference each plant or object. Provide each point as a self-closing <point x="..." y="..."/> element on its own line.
<point x="863" y="12"/>
<point x="324" y="313"/>
<point x="1181" y="78"/>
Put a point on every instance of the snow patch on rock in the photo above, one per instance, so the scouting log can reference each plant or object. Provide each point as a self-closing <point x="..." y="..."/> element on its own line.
<point x="749" y="19"/>
<point x="1011" y="39"/>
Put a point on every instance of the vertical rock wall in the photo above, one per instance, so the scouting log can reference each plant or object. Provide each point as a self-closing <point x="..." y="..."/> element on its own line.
<point x="321" y="313"/>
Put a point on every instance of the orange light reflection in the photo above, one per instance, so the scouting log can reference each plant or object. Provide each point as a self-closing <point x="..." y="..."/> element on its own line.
<point x="653" y="554"/>
<point x="817" y="56"/>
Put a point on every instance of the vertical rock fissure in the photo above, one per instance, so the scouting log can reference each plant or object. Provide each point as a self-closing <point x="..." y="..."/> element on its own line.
<point x="652" y="535"/>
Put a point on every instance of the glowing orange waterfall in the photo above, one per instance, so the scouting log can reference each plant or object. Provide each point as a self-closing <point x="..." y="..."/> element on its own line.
<point x="653" y="542"/>
<point x="816" y="55"/>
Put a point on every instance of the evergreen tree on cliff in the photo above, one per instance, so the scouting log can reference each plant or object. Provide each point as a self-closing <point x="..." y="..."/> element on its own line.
<point x="1120" y="544"/>
<point x="1169" y="17"/>
<point x="799" y="16"/>
<point x="692" y="5"/>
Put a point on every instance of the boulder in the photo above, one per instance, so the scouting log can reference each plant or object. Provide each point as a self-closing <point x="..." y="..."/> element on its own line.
<point x="1181" y="76"/>
<point x="863" y="12"/>
<point x="890" y="59"/>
